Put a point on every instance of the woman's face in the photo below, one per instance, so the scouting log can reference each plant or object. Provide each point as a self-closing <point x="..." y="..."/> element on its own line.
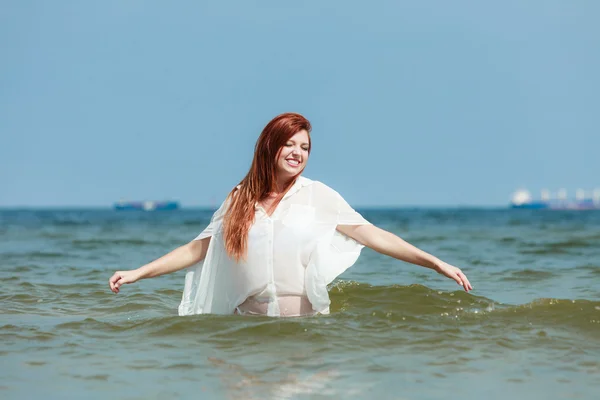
<point x="292" y="157"/>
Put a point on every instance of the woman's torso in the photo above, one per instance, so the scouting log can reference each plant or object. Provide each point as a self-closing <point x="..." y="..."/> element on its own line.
<point x="292" y="255"/>
<point x="279" y="248"/>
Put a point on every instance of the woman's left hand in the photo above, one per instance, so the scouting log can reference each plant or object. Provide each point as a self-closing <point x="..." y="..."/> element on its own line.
<point x="453" y="273"/>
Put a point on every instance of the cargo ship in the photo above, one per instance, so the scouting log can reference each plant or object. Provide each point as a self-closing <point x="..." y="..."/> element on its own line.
<point x="583" y="200"/>
<point x="146" y="205"/>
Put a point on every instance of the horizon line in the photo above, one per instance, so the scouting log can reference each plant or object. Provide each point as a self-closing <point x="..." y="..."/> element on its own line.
<point x="214" y="207"/>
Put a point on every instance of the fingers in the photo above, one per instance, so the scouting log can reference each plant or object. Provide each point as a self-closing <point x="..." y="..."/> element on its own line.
<point x="456" y="274"/>
<point x="118" y="284"/>
<point x="111" y="282"/>
<point x="456" y="277"/>
<point x="462" y="280"/>
<point x="115" y="281"/>
<point x="465" y="280"/>
<point x="120" y="278"/>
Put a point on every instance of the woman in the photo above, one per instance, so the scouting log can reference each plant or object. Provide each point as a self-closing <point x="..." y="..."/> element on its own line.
<point x="278" y="239"/>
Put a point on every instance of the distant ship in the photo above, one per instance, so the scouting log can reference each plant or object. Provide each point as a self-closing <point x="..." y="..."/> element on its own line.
<point x="583" y="200"/>
<point x="146" y="205"/>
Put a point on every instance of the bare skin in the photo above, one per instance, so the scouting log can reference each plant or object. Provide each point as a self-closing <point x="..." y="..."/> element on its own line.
<point x="291" y="160"/>
<point x="382" y="241"/>
<point x="180" y="258"/>
<point x="387" y="243"/>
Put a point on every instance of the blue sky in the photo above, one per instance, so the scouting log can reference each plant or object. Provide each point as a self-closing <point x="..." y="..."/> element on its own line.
<point x="429" y="103"/>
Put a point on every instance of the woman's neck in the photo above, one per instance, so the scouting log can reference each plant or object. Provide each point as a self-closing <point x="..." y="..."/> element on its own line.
<point x="281" y="184"/>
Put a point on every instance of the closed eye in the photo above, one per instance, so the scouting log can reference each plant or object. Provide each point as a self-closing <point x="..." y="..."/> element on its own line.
<point x="305" y="147"/>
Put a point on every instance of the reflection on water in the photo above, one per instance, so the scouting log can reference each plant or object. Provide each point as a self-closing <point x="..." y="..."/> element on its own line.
<point x="242" y="384"/>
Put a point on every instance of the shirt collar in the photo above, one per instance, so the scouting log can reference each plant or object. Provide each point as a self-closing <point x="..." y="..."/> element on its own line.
<point x="299" y="184"/>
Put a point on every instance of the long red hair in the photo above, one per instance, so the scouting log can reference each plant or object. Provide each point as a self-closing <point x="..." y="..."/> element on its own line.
<point x="259" y="182"/>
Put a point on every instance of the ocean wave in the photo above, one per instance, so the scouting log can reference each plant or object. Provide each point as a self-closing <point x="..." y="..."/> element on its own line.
<point x="560" y="246"/>
<point x="592" y="269"/>
<point x="98" y="243"/>
<point x="40" y="255"/>
<point x="526" y="275"/>
<point x="358" y="309"/>
<point x="71" y="222"/>
<point x="419" y="302"/>
<point x="29" y="333"/>
<point x="371" y="309"/>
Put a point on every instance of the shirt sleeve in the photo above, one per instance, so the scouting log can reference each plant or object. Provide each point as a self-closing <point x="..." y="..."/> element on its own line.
<point x="346" y="215"/>
<point x="332" y="207"/>
<point x="334" y="252"/>
<point x="215" y="222"/>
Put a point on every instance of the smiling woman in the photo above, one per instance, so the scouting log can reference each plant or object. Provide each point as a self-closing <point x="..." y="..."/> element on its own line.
<point x="278" y="239"/>
<point x="292" y="157"/>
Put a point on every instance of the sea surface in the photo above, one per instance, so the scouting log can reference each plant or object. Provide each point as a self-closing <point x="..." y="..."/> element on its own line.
<point x="530" y="329"/>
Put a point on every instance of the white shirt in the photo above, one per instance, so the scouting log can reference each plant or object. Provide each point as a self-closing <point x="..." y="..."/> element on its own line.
<point x="295" y="251"/>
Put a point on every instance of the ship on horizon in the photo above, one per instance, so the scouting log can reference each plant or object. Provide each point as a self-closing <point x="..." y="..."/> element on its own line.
<point x="146" y="205"/>
<point x="522" y="198"/>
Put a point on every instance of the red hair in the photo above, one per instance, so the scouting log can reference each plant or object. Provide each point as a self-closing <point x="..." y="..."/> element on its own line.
<point x="260" y="181"/>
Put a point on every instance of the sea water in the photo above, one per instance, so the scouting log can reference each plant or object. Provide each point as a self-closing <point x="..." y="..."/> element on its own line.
<point x="529" y="330"/>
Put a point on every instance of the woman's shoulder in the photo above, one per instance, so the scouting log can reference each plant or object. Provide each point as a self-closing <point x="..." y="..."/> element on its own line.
<point x="319" y="188"/>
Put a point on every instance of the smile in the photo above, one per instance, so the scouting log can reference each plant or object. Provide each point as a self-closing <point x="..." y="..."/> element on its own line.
<point x="293" y="163"/>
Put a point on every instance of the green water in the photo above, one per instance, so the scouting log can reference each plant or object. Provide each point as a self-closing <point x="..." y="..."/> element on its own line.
<point x="530" y="329"/>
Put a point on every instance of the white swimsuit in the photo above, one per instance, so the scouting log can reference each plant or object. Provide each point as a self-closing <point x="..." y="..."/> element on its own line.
<point x="292" y="256"/>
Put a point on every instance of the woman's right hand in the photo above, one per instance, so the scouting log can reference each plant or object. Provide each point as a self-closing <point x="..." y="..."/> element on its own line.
<point x="122" y="277"/>
<point x="453" y="273"/>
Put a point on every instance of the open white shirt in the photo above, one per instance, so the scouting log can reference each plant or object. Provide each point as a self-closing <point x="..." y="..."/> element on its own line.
<point x="295" y="251"/>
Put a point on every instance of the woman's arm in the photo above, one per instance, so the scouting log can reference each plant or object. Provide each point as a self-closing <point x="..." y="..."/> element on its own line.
<point x="181" y="257"/>
<point x="387" y="243"/>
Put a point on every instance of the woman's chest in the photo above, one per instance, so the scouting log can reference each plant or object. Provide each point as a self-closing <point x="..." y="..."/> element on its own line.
<point x="293" y="224"/>
<point x="285" y="238"/>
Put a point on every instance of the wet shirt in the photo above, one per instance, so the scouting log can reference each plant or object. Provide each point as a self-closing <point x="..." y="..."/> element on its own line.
<point x="296" y="251"/>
